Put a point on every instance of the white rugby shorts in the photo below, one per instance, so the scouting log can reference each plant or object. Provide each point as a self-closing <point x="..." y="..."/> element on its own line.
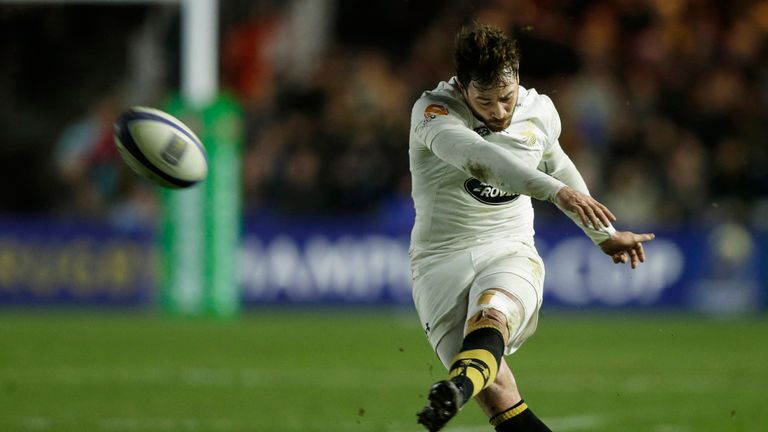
<point x="445" y="285"/>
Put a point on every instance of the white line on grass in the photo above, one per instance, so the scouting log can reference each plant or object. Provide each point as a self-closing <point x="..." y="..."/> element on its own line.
<point x="36" y="423"/>
<point x="127" y="424"/>
<point x="560" y="424"/>
<point x="671" y="428"/>
<point x="485" y="428"/>
<point x="575" y="423"/>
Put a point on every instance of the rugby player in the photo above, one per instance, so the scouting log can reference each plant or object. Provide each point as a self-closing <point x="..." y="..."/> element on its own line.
<point x="481" y="146"/>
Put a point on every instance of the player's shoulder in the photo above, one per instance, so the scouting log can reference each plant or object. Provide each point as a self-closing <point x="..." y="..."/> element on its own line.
<point x="539" y="108"/>
<point x="445" y="99"/>
<point x="535" y="102"/>
<point x="537" y="105"/>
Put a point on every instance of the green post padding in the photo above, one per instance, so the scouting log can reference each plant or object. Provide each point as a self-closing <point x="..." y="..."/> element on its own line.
<point x="200" y="226"/>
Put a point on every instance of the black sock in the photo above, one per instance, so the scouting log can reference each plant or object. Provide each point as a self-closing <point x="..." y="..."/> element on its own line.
<point x="471" y="370"/>
<point x="519" y="418"/>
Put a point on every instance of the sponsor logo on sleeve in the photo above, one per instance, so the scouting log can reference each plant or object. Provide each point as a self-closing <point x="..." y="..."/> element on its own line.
<point x="488" y="194"/>
<point x="433" y="111"/>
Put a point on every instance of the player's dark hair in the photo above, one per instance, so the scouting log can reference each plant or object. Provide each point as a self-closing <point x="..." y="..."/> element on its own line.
<point x="486" y="55"/>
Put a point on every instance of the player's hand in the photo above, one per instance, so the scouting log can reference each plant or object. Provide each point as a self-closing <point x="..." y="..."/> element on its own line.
<point x="591" y="212"/>
<point x="625" y="245"/>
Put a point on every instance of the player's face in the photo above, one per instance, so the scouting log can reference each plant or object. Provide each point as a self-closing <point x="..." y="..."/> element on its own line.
<point x="494" y="104"/>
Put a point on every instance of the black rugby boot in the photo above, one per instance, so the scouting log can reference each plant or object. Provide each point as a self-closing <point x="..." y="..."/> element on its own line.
<point x="445" y="400"/>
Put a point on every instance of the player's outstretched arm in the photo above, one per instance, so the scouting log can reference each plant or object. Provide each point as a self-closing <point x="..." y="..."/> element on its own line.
<point x="623" y="244"/>
<point x="590" y="211"/>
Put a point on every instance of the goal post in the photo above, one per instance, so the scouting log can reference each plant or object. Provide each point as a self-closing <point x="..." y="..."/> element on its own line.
<point x="201" y="226"/>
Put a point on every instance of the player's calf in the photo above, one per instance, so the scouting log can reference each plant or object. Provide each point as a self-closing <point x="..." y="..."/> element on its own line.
<point x="475" y="367"/>
<point x="493" y="318"/>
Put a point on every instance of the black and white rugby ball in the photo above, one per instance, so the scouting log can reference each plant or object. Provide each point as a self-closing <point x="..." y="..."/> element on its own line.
<point x="160" y="148"/>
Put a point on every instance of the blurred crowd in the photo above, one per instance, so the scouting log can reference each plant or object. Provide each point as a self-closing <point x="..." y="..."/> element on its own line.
<point x="664" y="106"/>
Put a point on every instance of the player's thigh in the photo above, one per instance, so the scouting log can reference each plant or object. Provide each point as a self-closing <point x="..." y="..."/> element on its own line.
<point x="450" y="344"/>
<point x="440" y="291"/>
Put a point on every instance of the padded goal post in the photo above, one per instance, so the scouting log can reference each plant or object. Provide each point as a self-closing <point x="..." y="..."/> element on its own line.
<point x="200" y="233"/>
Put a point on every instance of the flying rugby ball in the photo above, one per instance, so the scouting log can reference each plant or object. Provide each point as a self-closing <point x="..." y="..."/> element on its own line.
<point x="160" y="148"/>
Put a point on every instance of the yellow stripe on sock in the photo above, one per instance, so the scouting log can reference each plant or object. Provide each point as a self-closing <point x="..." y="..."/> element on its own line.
<point x="480" y="379"/>
<point x="508" y="414"/>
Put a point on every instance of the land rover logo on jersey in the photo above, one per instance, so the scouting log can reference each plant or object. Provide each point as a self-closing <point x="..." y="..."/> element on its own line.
<point x="487" y="194"/>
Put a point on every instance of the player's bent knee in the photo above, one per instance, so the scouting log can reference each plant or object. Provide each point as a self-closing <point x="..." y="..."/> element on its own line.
<point x="487" y="318"/>
<point x="496" y="309"/>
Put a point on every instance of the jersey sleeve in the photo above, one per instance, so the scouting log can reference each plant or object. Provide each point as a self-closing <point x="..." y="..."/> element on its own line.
<point x="556" y="163"/>
<point x="431" y="114"/>
<point x="449" y="137"/>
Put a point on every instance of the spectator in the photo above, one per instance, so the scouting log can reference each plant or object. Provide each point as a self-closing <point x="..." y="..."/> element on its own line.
<point x="661" y="100"/>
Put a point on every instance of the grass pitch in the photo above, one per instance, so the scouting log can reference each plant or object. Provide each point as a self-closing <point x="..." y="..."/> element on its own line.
<point x="367" y="370"/>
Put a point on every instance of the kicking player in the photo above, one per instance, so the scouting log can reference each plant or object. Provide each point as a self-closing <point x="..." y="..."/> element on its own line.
<point x="481" y="146"/>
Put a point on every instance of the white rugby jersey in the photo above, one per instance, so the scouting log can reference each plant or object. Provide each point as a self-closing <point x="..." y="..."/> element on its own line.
<point x="473" y="186"/>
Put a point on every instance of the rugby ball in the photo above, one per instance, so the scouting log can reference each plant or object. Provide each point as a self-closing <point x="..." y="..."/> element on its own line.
<point x="160" y="148"/>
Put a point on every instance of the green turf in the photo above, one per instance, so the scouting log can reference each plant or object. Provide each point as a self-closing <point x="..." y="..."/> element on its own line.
<point x="367" y="371"/>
